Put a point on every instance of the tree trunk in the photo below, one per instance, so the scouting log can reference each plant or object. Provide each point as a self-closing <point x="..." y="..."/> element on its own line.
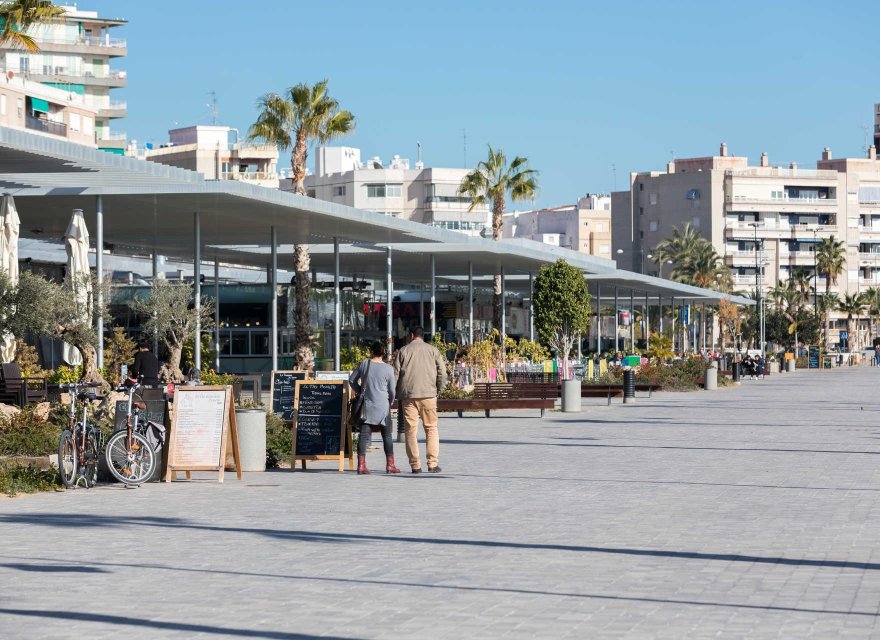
<point x="90" y="371"/>
<point x="827" y="319"/>
<point x="170" y="371"/>
<point x="302" y="329"/>
<point x="497" y="224"/>
<point x="298" y="164"/>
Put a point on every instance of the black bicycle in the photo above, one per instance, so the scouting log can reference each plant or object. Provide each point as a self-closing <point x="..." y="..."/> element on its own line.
<point x="80" y="444"/>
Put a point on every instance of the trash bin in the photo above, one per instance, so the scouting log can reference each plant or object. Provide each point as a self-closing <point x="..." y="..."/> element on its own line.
<point x="629" y="386"/>
<point x="251" y="438"/>
<point x="789" y="365"/>
<point x="735" y="372"/>
<point x="711" y="377"/>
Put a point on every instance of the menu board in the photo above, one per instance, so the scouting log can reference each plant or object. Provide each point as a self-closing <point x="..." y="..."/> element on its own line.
<point x="156" y="411"/>
<point x="282" y="392"/>
<point x="320" y="429"/>
<point x="814" y="358"/>
<point x="203" y="425"/>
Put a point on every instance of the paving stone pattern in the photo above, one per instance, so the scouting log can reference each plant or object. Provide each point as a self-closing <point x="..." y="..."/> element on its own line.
<point x="742" y="513"/>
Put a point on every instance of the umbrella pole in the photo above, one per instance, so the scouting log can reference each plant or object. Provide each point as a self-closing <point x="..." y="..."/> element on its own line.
<point x="197" y="291"/>
<point x="99" y="268"/>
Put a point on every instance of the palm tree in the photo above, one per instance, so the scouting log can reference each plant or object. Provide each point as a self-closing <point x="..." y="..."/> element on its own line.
<point x="872" y="304"/>
<point x="853" y="305"/>
<point x="493" y="180"/>
<point x="680" y="245"/>
<point x="304" y="115"/>
<point x="788" y="298"/>
<point x="831" y="262"/>
<point x="19" y="16"/>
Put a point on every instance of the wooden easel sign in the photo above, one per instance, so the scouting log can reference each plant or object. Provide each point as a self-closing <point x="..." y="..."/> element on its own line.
<point x="320" y="424"/>
<point x="282" y="390"/>
<point x="202" y="428"/>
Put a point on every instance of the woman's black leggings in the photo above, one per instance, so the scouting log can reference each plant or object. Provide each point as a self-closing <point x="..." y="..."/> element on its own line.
<point x="364" y="440"/>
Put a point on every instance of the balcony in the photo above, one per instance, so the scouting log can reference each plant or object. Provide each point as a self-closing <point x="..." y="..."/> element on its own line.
<point x="112" y="47"/>
<point x="115" y="78"/>
<point x="785" y="205"/>
<point x="742" y="230"/>
<point x="115" y="109"/>
<point x="254" y="176"/>
<point x="46" y="126"/>
<point x="869" y="259"/>
<point x="798" y="258"/>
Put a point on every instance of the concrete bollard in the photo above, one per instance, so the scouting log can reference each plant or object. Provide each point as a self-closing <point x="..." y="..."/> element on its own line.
<point x="789" y="365"/>
<point x="571" y="396"/>
<point x="711" y="377"/>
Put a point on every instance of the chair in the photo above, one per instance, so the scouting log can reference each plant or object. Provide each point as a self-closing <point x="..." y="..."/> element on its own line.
<point x="24" y="390"/>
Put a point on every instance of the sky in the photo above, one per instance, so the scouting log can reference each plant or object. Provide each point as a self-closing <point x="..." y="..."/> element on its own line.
<point x="587" y="91"/>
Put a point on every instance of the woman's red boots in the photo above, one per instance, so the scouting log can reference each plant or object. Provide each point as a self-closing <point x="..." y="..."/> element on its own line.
<point x="389" y="465"/>
<point x="362" y="465"/>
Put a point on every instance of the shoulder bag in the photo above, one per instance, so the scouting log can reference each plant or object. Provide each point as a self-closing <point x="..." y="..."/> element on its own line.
<point x="357" y="414"/>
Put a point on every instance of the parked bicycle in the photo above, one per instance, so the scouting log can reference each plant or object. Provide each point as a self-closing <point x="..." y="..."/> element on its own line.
<point x="80" y="444"/>
<point x="130" y="456"/>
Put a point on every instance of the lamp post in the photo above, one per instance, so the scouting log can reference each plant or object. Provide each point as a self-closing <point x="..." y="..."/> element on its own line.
<point x="759" y="268"/>
<point x="815" y="272"/>
<point x="641" y="253"/>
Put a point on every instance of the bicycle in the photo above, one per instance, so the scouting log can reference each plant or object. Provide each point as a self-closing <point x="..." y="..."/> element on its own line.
<point x="80" y="443"/>
<point x="130" y="456"/>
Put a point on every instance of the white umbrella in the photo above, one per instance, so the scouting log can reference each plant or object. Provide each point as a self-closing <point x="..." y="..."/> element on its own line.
<point x="9" y="226"/>
<point x="76" y="241"/>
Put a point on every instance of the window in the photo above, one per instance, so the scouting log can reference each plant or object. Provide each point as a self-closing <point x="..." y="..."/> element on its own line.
<point x="20" y="106"/>
<point x="383" y="190"/>
<point x="641" y="211"/>
<point x="88" y="126"/>
<point x="339" y="191"/>
<point x="652" y="226"/>
<point x="695" y="221"/>
<point x="3" y="104"/>
<point x="74" y="122"/>
<point x="653" y="198"/>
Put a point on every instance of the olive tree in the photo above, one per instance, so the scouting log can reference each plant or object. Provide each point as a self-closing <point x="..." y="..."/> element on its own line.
<point x="561" y="307"/>
<point x="171" y="315"/>
<point x="37" y="306"/>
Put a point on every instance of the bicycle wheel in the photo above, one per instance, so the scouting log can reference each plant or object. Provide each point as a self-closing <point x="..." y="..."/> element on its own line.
<point x="90" y="460"/>
<point x="67" y="458"/>
<point x="130" y="465"/>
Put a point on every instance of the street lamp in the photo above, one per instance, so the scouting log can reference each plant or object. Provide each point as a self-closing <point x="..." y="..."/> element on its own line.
<point x="661" y="266"/>
<point x="759" y="268"/>
<point x="641" y="253"/>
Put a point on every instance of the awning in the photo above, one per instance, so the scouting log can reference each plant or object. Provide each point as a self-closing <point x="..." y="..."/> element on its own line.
<point x="38" y="104"/>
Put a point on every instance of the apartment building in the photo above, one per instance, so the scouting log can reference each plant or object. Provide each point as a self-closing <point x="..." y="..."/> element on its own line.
<point x="74" y="58"/>
<point x="217" y="153"/>
<point x="765" y="221"/>
<point x="422" y="194"/>
<point x="584" y="227"/>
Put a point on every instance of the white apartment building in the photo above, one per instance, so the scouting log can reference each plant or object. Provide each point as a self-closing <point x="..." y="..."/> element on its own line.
<point x="423" y="194"/>
<point x="74" y="58"/>
<point x="584" y="227"/>
<point x="765" y="221"/>
<point x="216" y="153"/>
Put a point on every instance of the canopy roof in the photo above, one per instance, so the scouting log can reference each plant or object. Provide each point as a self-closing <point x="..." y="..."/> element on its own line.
<point x="148" y="207"/>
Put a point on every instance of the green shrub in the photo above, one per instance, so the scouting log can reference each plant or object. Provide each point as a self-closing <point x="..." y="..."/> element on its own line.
<point x="64" y="374"/>
<point x="278" y="441"/>
<point x="27" y="434"/>
<point x="454" y="392"/>
<point x="350" y="357"/>
<point x="19" y="478"/>
<point x="211" y="377"/>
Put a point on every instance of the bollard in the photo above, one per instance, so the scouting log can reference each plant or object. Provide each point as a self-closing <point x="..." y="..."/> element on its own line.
<point x="571" y="395"/>
<point x="735" y="372"/>
<point x="711" y="377"/>
<point x="789" y="365"/>
<point x="629" y="386"/>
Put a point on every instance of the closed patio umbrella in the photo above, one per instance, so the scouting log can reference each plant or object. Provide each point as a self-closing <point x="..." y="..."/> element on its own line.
<point x="76" y="241"/>
<point x="9" y="231"/>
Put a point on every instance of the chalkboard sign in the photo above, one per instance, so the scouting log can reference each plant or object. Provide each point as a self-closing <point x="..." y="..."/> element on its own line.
<point x="814" y="358"/>
<point x="282" y="390"/>
<point x="156" y="411"/>
<point x="202" y="428"/>
<point x="320" y="427"/>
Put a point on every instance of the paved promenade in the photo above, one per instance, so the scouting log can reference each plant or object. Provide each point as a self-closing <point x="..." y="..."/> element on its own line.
<point x="743" y="513"/>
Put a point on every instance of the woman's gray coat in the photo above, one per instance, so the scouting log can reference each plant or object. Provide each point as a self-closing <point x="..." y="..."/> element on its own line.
<point x="379" y="389"/>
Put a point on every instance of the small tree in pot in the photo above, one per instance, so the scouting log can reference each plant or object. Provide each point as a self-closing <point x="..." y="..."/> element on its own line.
<point x="170" y="314"/>
<point x="561" y="307"/>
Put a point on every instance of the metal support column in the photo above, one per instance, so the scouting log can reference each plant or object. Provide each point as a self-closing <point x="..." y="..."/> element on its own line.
<point x="531" y="307"/>
<point x="337" y="310"/>
<point x="660" y="321"/>
<point x="216" y="314"/>
<point x="389" y="314"/>
<point x="503" y="311"/>
<point x="99" y="272"/>
<point x="155" y="257"/>
<point x="470" y="302"/>
<point x="703" y="326"/>
<point x="422" y="305"/>
<point x="616" y="322"/>
<point x="647" y="315"/>
<point x="599" y="318"/>
<point x="632" y="321"/>
<point x="672" y="320"/>
<point x="197" y="289"/>
<point x="433" y="297"/>
<point x="273" y="341"/>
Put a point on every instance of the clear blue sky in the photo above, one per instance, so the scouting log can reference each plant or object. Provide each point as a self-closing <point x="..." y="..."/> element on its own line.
<point x="575" y="86"/>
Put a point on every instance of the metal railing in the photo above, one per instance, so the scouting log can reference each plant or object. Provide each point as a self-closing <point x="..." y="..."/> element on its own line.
<point x="782" y="173"/>
<point x="113" y="135"/>
<point x="781" y="201"/>
<point x="249" y="176"/>
<point x="114" y="43"/>
<point x="46" y="126"/>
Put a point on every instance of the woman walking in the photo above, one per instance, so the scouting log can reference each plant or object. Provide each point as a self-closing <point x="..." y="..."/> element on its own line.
<point x="375" y="379"/>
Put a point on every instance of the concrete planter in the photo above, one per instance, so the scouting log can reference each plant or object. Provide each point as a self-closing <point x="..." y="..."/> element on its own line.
<point x="571" y="396"/>
<point x="711" y="377"/>
<point x="251" y="438"/>
<point x="789" y="365"/>
<point x="773" y="367"/>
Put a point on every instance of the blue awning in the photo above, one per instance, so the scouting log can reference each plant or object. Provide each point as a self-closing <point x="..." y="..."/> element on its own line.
<point x="38" y="104"/>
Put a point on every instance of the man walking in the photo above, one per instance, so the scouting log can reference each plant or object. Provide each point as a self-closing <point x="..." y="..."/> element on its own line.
<point x="421" y="376"/>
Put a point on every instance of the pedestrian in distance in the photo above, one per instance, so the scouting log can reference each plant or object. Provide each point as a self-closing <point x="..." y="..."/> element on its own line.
<point x="421" y="376"/>
<point x="375" y="379"/>
<point x="145" y="364"/>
